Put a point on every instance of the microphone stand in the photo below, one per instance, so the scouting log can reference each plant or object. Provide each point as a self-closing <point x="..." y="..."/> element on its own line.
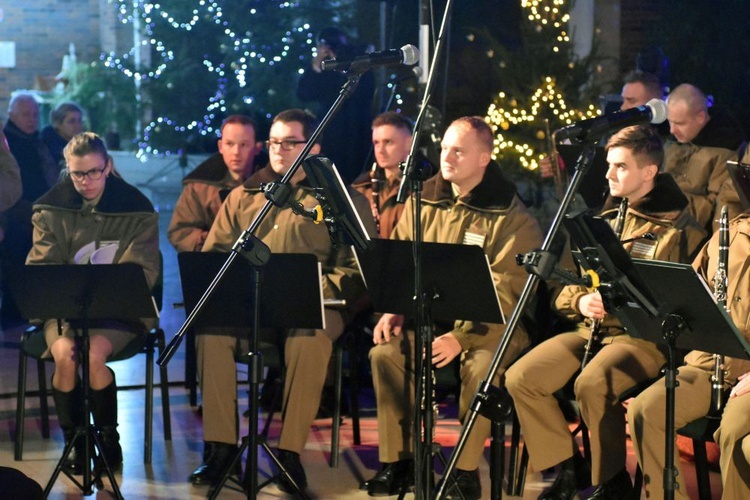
<point x="251" y="247"/>
<point x="540" y="265"/>
<point x="413" y="177"/>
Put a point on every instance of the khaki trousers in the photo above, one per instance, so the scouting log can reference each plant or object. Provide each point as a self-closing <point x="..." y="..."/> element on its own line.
<point x="617" y="367"/>
<point x="646" y="415"/>
<point x="393" y="380"/>
<point x="306" y="356"/>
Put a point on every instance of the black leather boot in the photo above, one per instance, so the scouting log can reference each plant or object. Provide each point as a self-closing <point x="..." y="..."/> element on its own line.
<point x="291" y="462"/>
<point x="394" y="478"/>
<point x="104" y="409"/>
<point x="69" y="406"/>
<point x="575" y="475"/>
<point x="216" y="456"/>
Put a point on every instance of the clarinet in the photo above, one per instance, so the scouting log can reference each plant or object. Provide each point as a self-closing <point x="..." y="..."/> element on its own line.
<point x="720" y="293"/>
<point x="375" y="184"/>
<point x="596" y="324"/>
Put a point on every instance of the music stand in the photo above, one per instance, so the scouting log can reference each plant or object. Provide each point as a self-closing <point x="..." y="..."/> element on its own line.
<point x="90" y="292"/>
<point x="671" y="306"/>
<point x="740" y="174"/>
<point x="233" y="304"/>
<point x="594" y="187"/>
<point x="450" y="292"/>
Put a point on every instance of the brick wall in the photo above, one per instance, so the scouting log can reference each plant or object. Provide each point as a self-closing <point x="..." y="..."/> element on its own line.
<point x="43" y="31"/>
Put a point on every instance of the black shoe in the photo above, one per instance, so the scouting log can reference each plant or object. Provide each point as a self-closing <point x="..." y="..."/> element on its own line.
<point x="465" y="484"/>
<point x="216" y="457"/>
<point x="620" y="486"/>
<point x="394" y="478"/>
<point x="569" y="481"/>
<point x="111" y="449"/>
<point x="291" y="462"/>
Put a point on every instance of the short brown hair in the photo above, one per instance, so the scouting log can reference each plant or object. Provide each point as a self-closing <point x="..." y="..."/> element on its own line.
<point x="649" y="81"/>
<point x="394" y="119"/>
<point x="642" y="141"/>
<point x="483" y="130"/>
<point x="307" y="119"/>
<point x="240" y="120"/>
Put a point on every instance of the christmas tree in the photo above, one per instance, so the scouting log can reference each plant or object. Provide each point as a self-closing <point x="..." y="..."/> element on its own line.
<point x="544" y="86"/>
<point x="203" y="60"/>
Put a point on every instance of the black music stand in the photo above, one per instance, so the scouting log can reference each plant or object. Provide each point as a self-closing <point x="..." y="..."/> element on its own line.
<point x="740" y="175"/>
<point x="663" y="302"/>
<point x="450" y="292"/>
<point x="80" y="293"/>
<point x="233" y="304"/>
<point x="594" y="187"/>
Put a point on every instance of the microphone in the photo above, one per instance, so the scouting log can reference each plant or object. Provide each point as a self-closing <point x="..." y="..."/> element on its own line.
<point x="406" y="55"/>
<point x="654" y="111"/>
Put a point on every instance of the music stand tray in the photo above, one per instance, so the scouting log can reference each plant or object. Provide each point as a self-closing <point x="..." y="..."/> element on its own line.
<point x="680" y="290"/>
<point x="109" y="291"/>
<point x="593" y="188"/>
<point x="290" y="293"/>
<point x="458" y="277"/>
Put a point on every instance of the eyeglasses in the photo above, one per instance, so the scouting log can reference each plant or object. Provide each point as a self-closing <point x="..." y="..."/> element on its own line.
<point x="94" y="174"/>
<point x="286" y="145"/>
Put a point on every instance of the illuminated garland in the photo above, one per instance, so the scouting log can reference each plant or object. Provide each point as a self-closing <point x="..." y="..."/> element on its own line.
<point x="520" y="132"/>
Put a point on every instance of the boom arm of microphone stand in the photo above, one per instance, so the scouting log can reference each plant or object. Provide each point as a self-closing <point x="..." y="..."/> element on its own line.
<point x="484" y="394"/>
<point x="243" y="243"/>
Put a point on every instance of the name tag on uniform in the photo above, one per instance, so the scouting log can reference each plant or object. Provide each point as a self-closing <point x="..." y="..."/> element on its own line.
<point x="474" y="238"/>
<point x="644" y="249"/>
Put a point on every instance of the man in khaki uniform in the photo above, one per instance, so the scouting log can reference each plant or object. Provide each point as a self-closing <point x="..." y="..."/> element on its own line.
<point x="306" y="352"/>
<point x="656" y="205"/>
<point x="646" y="413"/>
<point x="696" y="154"/>
<point x="391" y="142"/>
<point x="205" y="188"/>
<point x="469" y="201"/>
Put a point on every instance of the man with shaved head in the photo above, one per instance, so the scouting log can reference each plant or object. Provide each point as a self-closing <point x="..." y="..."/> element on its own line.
<point x="696" y="153"/>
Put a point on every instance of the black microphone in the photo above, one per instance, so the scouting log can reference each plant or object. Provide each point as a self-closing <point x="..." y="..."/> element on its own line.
<point x="406" y="55"/>
<point x="654" y="111"/>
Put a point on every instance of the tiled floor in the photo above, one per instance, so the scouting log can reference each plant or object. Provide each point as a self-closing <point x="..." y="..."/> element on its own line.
<point x="165" y="477"/>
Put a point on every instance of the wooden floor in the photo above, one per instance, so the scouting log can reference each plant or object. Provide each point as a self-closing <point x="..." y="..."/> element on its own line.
<point x="166" y="476"/>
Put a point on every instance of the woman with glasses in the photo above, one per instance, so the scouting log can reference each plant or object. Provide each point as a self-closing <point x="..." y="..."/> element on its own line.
<point x="92" y="216"/>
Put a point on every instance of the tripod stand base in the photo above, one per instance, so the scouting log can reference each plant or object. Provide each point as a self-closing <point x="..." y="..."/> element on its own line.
<point x="91" y="476"/>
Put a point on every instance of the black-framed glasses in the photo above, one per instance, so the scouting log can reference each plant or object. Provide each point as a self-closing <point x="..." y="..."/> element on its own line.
<point x="286" y="145"/>
<point x="94" y="174"/>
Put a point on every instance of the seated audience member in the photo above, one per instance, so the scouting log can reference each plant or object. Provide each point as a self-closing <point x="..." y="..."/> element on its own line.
<point x="470" y="201"/>
<point x="646" y="413"/>
<point x="38" y="174"/>
<point x="702" y="141"/>
<point x="656" y="205"/>
<point x="90" y="208"/>
<point x="205" y="188"/>
<point x="391" y="142"/>
<point x="66" y="120"/>
<point x="306" y="351"/>
<point x="10" y="190"/>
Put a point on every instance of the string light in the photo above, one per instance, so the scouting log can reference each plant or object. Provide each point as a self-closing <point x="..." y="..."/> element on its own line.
<point x="242" y="56"/>
<point x="520" y="132"/>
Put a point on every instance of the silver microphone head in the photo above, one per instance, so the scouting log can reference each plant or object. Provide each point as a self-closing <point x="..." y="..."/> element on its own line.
<point x="411" y="54"/>
<point x="658" y="110"/>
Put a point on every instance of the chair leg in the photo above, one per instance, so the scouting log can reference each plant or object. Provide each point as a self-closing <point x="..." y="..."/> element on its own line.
<point x="514" y="472"/>
<point x="20" y="406"/>
<point x="43" y="405"/>
<point x="338" y="353"/>
<point x="148" y="425"/>
<point x="354" y="387"/>
<point x="701" y="469"/>
<point x="191" y="367"/>
<point x="164" y="383"/>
